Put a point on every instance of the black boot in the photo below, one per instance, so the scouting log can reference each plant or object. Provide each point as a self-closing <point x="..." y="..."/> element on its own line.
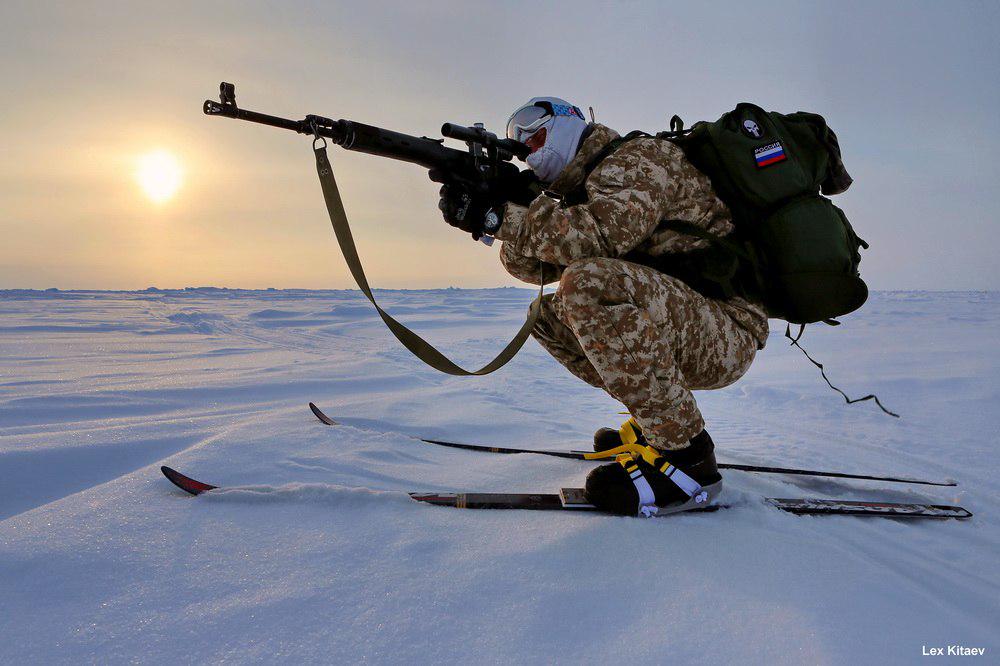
<point x="657" y="482"/>
<point x="609" y="438"/>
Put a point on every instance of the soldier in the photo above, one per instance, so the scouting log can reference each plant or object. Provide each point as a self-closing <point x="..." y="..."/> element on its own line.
<point x="630" y="316"/>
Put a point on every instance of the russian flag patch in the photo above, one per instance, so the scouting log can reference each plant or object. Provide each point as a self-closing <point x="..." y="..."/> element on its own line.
<point x="770" y="154"/>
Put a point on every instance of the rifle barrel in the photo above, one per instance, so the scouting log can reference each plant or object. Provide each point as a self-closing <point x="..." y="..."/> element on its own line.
<point x="213" y="108"/>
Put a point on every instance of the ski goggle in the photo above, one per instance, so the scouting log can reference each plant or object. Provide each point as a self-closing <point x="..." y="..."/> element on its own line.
<point x="529" y="118"/>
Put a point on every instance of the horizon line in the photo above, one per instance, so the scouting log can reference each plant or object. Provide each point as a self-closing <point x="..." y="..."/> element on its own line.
<point x="531" y="288"/>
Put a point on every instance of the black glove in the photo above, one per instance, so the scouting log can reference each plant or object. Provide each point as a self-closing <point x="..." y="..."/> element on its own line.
<point x="478" y="210"/>
<point x="464" y="210"/>
<point x="463" y="205"/>
<point x="520" y="188"/>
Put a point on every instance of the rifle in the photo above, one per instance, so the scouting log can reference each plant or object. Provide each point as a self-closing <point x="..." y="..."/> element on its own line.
<point x="487" y="157"/>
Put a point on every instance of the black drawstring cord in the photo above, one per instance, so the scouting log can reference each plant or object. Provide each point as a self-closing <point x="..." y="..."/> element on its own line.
<point x="870" y="396"/>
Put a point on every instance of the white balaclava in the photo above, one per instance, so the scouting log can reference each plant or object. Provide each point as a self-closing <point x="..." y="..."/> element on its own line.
<point x="562" y="139"/>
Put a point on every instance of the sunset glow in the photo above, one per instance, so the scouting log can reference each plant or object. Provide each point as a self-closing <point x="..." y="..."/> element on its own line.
<point x="159" y="174"/>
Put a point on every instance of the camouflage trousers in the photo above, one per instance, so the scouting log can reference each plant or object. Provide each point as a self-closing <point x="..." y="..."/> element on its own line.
<point x="647" y="339"/>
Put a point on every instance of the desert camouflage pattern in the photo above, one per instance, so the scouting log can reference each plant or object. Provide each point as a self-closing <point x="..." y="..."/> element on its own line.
<point x="645" y="337"/>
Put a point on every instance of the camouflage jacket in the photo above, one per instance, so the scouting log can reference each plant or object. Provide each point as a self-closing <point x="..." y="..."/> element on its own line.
<point x="644" y="181"/>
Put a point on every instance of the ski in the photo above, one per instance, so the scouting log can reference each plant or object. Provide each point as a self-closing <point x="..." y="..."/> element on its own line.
<point x="590" y="455"/>
<point x="574" y="499"/>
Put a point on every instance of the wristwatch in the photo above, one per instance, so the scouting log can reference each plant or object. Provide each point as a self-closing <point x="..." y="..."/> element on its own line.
<point x="492" y="220"/>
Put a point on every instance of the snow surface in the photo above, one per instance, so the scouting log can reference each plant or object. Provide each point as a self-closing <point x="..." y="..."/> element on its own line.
<point x="316" y="556"/>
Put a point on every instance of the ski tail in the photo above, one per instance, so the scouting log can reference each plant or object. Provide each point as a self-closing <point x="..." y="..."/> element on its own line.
<point x="185" y="483"/>
<point x="820" y="507"/>
<point x="761" y="469"/>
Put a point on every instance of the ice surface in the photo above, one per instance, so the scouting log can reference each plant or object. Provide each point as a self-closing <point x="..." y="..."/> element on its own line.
<point x="317" y="556"/>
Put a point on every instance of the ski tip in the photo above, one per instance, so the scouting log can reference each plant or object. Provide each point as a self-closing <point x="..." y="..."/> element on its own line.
<point x="321" y="416"/>
<point x="185" y="483"/>
<point x="440" y="499"/>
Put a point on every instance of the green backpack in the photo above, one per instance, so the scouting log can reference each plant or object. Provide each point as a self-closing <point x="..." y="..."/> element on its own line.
<point x="791" y="248"/>
<point x="769" y="169"/>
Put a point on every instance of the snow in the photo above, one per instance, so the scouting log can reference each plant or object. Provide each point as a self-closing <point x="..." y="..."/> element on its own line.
<point x="316" y="555"/>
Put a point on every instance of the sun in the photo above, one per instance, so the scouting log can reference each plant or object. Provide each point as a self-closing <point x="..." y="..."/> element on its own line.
<point x="159" y="174"/>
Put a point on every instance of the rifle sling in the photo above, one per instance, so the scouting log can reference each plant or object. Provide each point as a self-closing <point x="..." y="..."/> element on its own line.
<point x="417" y="345"/>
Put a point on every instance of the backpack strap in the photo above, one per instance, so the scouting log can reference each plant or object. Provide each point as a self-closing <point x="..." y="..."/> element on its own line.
<point x="740" y="255"/>
<point x="743" y="272"/>
<point x="691" y="229"/>
<point x="611" y="147"/>
<point x="579" y="194"/>
<point x="676" y="129"/>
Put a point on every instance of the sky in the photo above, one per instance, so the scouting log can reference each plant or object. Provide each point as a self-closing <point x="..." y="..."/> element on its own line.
<point x="89" y="88"/>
